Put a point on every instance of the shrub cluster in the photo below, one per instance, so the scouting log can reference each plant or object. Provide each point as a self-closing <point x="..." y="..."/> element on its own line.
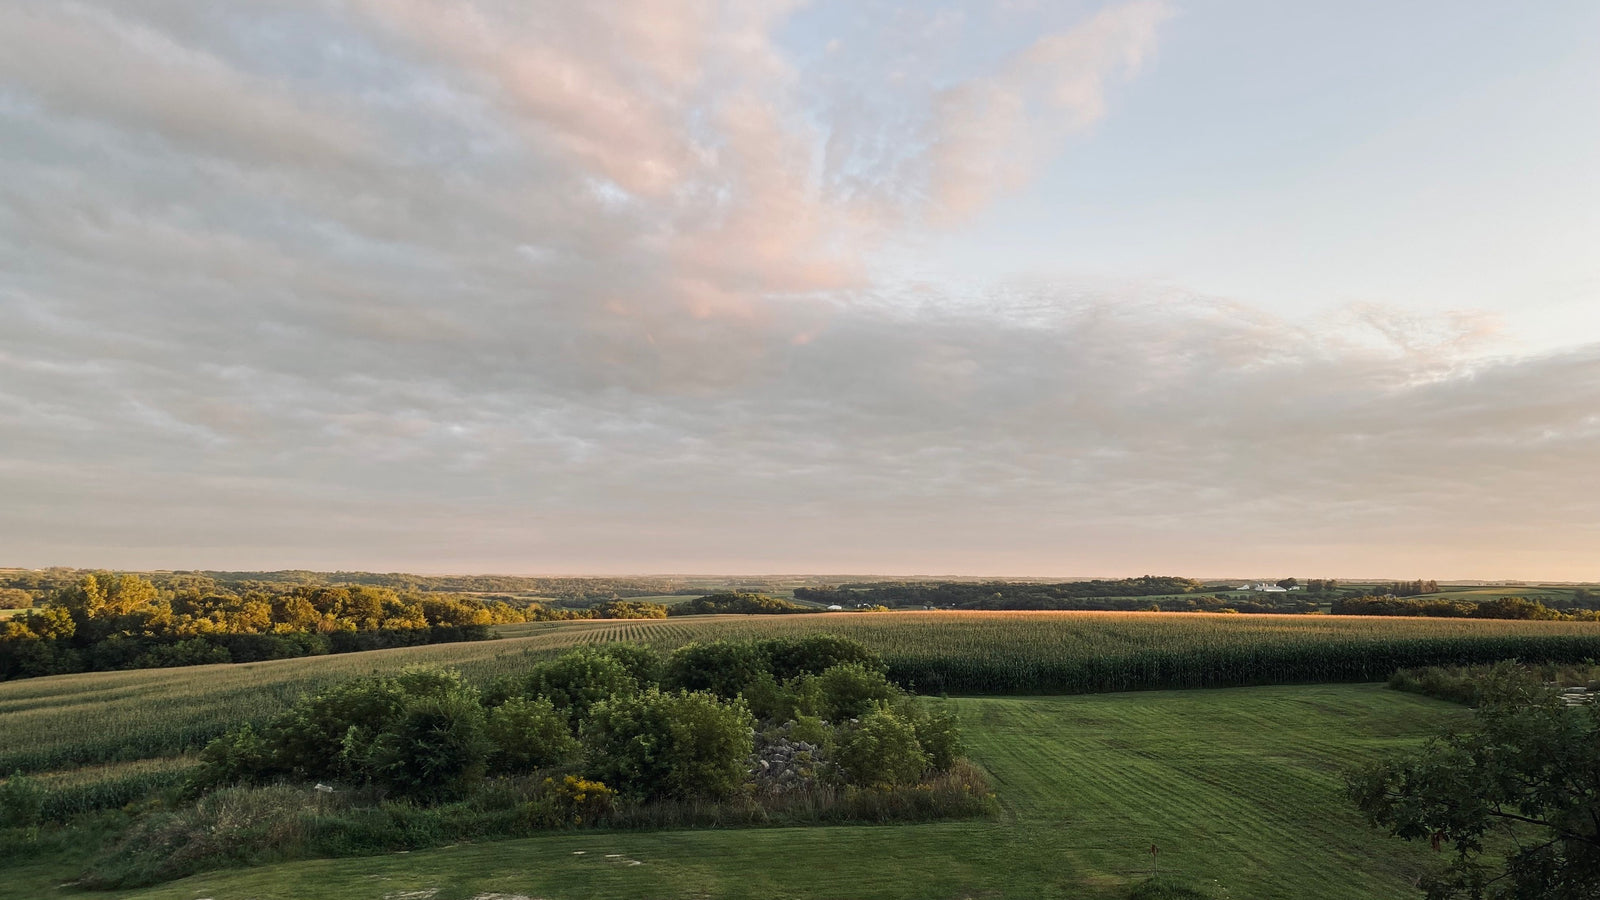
<point x="788" y="731"/>
<point x="681" y="728"/>
<point x="756" y="732"/>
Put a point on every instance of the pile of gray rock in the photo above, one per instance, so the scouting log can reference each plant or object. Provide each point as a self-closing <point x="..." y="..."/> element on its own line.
<point x="781" y="765"/>
<point x="1577" y="696"/>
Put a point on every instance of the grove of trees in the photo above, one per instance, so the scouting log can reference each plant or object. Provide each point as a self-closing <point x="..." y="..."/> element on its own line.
<point x="745" y="602"/>
<point x="1498" y="608"/>
<point x="108" y="621"/>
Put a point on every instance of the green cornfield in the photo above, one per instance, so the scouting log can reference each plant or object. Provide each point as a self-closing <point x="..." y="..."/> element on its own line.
<point x="66" y="721"/>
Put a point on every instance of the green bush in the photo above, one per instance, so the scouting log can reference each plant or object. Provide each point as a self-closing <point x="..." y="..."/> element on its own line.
<point x="810" y="729"/>
<point x="851" y="690"/>
<point x="682" y="745"/>
<point x="330" y="735"/>
<point x="578" y="680"/>
<point x="938" y="732"/>
<point x="817" y="653"/>
<point x="774" y="674"/>
<point x="723" y="668"/>
<point x="771" y="701"/>
<point x="434" y="749"/>
<point x="528" y="734"/>
<point x="333" y="735"/>
<point x="643" y="664"/>
<point x="240" y="756"/>
<point x="880" y="750"/>
<point x="21" y="802"/>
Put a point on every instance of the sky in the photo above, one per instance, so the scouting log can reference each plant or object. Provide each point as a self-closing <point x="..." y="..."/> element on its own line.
<point x="1077" y="289"/>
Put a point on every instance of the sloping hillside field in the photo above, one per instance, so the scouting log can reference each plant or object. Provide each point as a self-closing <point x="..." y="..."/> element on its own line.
<point x="62" y="721"/>
<point x="1237" y="788"/>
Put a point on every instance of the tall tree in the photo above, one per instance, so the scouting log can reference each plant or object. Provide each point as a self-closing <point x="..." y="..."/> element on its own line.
<point x="1515" y="796"/>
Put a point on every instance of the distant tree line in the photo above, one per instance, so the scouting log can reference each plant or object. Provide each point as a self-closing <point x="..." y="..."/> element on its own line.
<point x="42" y="583"/>
<point x="1281" y="604"/>
<point x="1124" y="594"/>
<point x="1097" y="594"/>
<point x="108" y="621"/>
<point x="1409" y="588"/>
<point x="1498" y="608"/>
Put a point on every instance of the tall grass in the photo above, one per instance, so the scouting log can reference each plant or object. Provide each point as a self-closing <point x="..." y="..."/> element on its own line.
<point x="254" y="825"/>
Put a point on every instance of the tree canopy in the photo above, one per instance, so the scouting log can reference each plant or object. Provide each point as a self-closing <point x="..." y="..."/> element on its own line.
<point x="1515" y="796"/>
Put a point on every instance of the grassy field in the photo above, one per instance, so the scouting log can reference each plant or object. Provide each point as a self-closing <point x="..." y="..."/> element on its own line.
<point x="1543" y="593"/>
<point x="1239" y="788"/>
<point x="61" y="721"/>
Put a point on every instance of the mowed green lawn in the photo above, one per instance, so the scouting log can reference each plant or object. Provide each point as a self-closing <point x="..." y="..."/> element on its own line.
<point x="1238" y="787"/>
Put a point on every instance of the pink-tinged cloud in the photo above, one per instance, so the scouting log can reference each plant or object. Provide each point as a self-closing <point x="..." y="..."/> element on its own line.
<point x="614" y="287"/>
<point x="990" y="134"/>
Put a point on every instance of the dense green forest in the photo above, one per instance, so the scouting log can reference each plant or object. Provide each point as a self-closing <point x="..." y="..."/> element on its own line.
<point x="107" y="621"/>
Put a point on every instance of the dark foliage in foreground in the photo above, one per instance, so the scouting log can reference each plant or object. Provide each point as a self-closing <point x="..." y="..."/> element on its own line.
<point x="1515" y="796"/>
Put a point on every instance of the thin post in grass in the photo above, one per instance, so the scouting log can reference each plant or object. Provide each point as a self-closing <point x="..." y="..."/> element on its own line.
<point x="1154" y="867"/>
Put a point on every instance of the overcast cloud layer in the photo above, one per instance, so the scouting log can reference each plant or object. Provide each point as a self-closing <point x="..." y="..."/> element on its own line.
<point x="555" y="287"/>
